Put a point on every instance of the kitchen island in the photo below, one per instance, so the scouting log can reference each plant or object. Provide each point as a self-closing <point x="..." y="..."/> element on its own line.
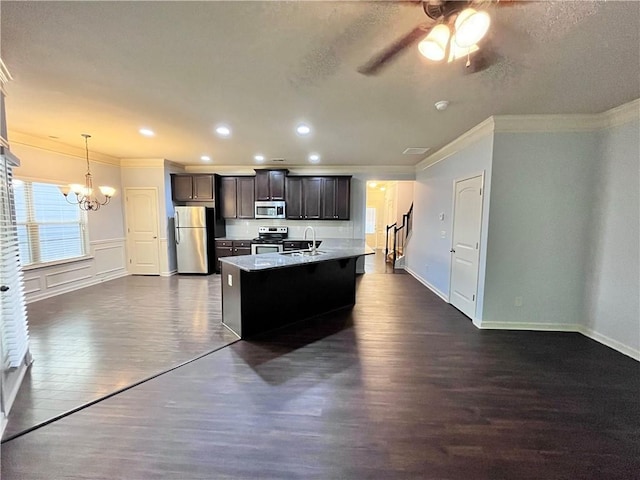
<point x="267" y="291"/>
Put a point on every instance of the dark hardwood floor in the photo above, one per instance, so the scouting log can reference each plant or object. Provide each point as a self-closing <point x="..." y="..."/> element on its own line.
<point x="89" y="343"/>
<point x="401" y="386"/>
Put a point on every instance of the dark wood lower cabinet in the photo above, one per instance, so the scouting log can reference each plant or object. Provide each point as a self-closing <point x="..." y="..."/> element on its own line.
<point x="230" y="248"/>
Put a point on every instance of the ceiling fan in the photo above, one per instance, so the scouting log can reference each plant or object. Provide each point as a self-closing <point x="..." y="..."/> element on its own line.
<point x="452" y="31"/>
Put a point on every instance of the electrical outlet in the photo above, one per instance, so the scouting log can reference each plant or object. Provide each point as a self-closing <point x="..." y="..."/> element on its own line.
<point x="443" y="234"/>
<point x="518" y="301"/>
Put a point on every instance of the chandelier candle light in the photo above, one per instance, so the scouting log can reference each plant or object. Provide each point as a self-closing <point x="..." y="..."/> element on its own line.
<point x="86" y="199"/>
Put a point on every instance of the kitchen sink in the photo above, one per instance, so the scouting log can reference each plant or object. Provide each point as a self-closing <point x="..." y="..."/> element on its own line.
<point x="302" y="253"/>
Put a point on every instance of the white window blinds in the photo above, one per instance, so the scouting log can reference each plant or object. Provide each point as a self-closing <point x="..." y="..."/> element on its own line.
<point x="13" y="312"/>
<point x="48" y="227"/>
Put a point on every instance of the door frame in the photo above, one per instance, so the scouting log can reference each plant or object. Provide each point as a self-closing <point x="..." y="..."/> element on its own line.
<point x="157" y="219"/>
<point x="482" y="175"/>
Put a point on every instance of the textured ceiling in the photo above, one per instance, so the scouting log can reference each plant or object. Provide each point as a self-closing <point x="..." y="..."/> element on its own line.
<point x="181" y="68"/>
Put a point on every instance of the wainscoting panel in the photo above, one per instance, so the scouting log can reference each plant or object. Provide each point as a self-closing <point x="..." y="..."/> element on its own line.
<point x="107" y="261"/>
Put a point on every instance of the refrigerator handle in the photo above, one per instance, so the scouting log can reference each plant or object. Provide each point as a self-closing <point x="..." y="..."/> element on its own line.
<point x="177" y="229"/>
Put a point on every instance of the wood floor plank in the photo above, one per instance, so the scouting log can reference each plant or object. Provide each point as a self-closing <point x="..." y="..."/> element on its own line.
<point x="90" y="343"/>
<point x="401" y="386"/>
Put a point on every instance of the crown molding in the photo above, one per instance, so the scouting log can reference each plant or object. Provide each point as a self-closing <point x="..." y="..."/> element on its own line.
<point x="625" y="113"/>
<point x="547" y="123"/>
<point x="463" y="141"/>
<point x="5" y="76"/>
<point x="378" y="172"/>
<point x="142" y="162"/>
<point x="614" y="117"/>
<point x="27" y="140"/>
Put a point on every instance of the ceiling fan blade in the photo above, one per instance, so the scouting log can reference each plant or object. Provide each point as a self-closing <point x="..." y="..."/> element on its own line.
<point x="376" y="63"/>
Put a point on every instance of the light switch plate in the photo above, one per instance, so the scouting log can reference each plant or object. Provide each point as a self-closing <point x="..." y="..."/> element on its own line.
<point x="443" y="234"/>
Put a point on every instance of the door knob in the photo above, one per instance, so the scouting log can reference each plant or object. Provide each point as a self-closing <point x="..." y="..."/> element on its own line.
<point x="155" y="237"/>
<point x="4" y="288"/>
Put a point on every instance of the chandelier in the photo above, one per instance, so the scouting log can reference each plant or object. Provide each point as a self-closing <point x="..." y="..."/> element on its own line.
<point x="86" y="198"/>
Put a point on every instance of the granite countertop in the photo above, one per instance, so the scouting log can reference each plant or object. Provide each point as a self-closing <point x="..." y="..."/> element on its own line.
<point x="333" y="249"/>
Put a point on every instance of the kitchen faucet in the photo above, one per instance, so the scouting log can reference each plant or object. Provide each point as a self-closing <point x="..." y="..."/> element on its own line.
<point x="313" y="239"/>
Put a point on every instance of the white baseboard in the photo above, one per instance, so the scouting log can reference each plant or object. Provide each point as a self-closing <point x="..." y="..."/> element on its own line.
<point x="564" y="327"/>
<point x="544" y="327"/>
<point x="71" y="287"/>
<point x="610" y="342"/>
<point x="427" y="284"/>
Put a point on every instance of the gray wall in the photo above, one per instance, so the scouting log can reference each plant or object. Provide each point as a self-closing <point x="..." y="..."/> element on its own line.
<point x="562" y="231"/>
<point x="428" y="257"/>
<point x="613" y="284"/>
<point x="541" y="199"/>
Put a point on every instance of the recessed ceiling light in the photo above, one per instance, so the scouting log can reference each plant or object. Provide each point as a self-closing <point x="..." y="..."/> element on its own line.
<point x="205" y="158"/>
<point x="259" y="158"/>
<point x="314" y="158"/>
<point x="147" y="132"/>
<point x="373" y="184"/>
<point x="223" y="131"/>
<point x="303" y="129"/>
<point x="383" y="188"/>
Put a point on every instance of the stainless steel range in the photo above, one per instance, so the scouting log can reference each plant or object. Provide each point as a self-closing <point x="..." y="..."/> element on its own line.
<point x="269" y="240"/>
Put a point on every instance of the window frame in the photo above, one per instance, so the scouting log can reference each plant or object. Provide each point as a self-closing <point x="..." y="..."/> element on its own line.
<point x="33" y="229"/>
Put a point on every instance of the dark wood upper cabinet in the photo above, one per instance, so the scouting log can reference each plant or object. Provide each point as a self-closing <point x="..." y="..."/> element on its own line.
<point x="270" y="185"/>
<point x="318" y="198"/>
<point x="237" y="197"/>
<point x="336" y="195"/>
<point x="245" y="199"/>
<point x="293" y="198"/>
<point x="182" y="187"/>
<point x="228" y="197"/>
<point x="203" y="187"/>
<point x="186" y="188"/>
<point x="312" y="197"/>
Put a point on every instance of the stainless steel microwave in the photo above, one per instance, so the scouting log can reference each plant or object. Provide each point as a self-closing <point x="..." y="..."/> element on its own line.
<point x="270" y="210"/>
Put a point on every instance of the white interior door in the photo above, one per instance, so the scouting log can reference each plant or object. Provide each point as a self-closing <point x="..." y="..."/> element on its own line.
<point x="142" y="231"/>
<point x="467" y="223"/>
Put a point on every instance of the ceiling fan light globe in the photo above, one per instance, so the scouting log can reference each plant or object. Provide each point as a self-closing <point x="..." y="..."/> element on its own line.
<point x="434" y="45"/>
<point x="471" y="26"/>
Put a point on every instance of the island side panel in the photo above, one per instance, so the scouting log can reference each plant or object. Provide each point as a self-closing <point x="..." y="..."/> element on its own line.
<point x="231" y="298"/>
<point x="274" y="298"/>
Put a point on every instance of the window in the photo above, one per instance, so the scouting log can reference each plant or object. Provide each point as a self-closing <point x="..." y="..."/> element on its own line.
<point x="49" y="228"/>
<point x="370" y="223"/>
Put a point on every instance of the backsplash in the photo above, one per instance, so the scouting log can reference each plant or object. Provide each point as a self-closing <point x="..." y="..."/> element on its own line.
<point x="248" y="229"/>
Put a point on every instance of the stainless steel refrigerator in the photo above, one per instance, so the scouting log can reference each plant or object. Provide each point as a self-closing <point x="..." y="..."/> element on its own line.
<point x="196" y="230"/>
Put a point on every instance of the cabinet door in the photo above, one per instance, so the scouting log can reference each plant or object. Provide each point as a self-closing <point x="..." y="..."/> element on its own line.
<point x="276" y="184"/>
<point x="182" y="188"/>
<point x="329" y="198"/>
<point x="343" y="198"/>
<point x="293" y="194"/>
<point x="228" y="197"/>
<point x="312" y="194"/>
<point x="222" y="252"/>
<point x="203" y="187"/>
<point x="262" y="186"/>
<point x="245" y="197"/>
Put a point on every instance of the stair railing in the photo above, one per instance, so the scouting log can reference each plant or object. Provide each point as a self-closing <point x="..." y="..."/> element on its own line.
<point x="399" y="240"/>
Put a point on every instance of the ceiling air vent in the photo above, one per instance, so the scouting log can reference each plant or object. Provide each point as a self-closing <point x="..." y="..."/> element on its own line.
<point x="416" y="151"/>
